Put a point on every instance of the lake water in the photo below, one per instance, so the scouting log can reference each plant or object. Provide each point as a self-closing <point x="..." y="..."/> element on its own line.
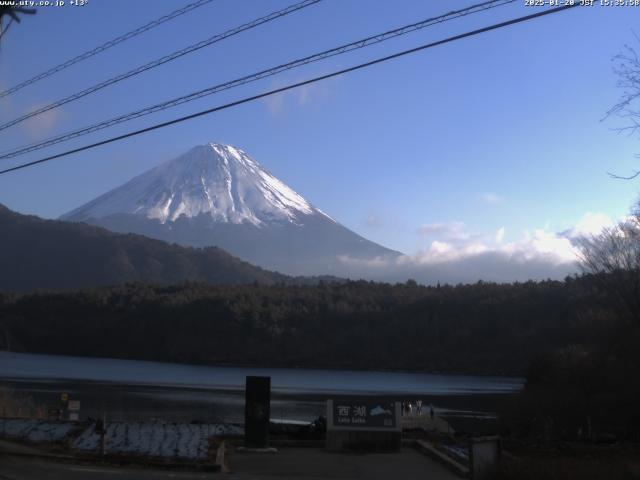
<point x="131" y="389"/>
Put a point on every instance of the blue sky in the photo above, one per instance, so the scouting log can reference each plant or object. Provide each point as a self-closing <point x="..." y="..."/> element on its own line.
<point x="492" y="137"/>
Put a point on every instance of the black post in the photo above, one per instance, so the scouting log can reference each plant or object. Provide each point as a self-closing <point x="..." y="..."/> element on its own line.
<point x="257" y="412"/>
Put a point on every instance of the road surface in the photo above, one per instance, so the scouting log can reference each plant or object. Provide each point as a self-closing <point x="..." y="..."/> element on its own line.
<point x="288" y="464"/>
<point x="26" y="468"/>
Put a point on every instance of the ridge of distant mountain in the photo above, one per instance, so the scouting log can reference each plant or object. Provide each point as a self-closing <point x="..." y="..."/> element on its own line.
<point x="216" y="195"/>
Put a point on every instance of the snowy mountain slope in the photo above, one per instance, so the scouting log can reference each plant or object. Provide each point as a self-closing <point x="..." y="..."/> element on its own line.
<point x="217" y="180"/>
<point x="217" y="195"/>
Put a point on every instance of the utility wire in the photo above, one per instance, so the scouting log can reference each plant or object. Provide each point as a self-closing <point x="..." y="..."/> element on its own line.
<point x="167" y="58"/>
<point x="294" y="85"/>
<point x="257" y="76"/>
<point x="106" y="46"/>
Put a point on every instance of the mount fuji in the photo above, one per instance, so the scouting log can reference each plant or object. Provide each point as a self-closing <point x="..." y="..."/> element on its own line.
<point x="216" y="195"/>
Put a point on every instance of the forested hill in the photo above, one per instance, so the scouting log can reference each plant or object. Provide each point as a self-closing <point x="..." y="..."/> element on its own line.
<point x="48" y="254"/>
<point x="481" y="328"/>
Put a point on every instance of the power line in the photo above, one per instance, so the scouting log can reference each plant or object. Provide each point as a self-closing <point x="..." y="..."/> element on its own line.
<point x="167" y="58"/>
<point x="106" y="46"/>
<point x="362" y="43"/>
<point x="295" y="85"/>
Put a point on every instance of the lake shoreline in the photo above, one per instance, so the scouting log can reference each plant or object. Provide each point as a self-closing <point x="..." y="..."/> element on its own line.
<point x="128" y="402"/>
<point x="132" y="390"/>
<point x="276" y="365"/>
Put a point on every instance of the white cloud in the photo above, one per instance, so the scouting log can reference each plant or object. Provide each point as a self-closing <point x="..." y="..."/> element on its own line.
<point x="373" y="220"/>
<point x="439" y="252"/>
<point x="377" y="263"/>
<point x="298" y="97"/>
<point x="454" y="254"/>
<point x="453" y="241"/>
<point x="275" y="103"/>
<point x="590" y="224"/>
<point x="542" y="244"/>
<point x="39" y="126"/>
<point x="491" y="198"/>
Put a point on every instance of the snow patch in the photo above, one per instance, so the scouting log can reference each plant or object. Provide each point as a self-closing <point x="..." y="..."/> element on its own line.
<point x="157" y="439"/>
<point x="36" y="431"/>
<point x="217" y="180"/>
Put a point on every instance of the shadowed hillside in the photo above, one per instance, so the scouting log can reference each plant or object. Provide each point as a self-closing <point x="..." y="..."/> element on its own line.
<point x="51" y="254"/>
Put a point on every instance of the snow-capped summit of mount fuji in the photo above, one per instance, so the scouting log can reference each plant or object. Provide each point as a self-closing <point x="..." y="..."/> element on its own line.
<point x="215" y="180"/>
<point x="217" y="195"/>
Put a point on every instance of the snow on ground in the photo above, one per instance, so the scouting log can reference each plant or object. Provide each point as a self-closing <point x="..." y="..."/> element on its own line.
<point x="36" y="431"/>
<point x="158" y="439"/>
<point x="152" y="439"/>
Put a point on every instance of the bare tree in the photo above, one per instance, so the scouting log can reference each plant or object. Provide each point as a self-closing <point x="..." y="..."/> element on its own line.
<point x="627" y="68"/>
<point x="613" y="258"/>
<point x="12" y="12"/>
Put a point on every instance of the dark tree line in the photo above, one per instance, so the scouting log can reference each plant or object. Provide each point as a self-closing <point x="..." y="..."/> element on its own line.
<point x="481" y="328"/>
<point x="585" y="391"/>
